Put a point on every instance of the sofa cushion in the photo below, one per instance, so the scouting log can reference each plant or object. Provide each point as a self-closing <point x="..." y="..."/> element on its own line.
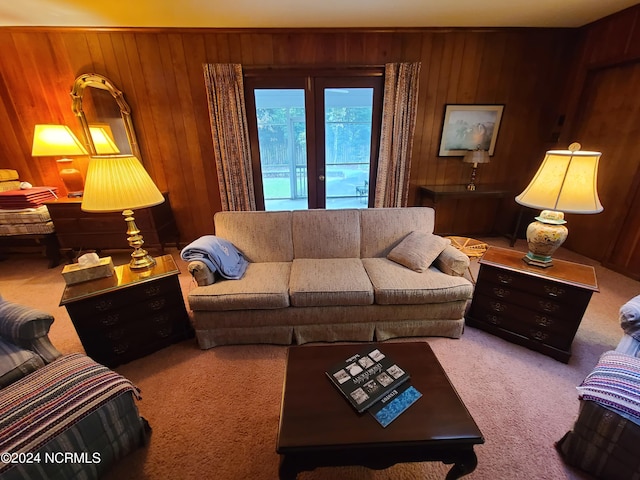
<point x="333" y="281"/>
<point x="418" y="250"/>
<point x="326" y="233"/>
<point x="260" y="236"/>
<point x="264" y="285"/>
<point x="383" y="228"/>
<point x="394" y="284"/>
<point x="16" y="362"/>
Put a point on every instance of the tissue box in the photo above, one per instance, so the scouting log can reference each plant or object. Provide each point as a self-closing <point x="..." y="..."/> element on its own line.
<point x="75" y="273"/>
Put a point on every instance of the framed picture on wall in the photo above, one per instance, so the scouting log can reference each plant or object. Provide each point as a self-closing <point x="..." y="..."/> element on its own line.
<point x="469" y="127"/>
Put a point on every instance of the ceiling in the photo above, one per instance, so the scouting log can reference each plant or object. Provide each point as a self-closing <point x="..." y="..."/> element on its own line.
<point x="306" y="13"/>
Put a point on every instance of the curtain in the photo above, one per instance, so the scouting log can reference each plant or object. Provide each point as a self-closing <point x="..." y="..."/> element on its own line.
<point x="396" y="135"/>
<point x="225" y="93"/>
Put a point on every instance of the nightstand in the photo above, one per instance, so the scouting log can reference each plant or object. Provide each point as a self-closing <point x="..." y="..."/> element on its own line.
<point x="538" y="308"/>
<point x="130" y="314"/>
<point x="77" y="230"/>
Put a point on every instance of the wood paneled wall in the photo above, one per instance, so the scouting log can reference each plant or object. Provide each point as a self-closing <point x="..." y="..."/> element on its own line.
<point x="160" y="73"/>
<point x="605" y="116"/>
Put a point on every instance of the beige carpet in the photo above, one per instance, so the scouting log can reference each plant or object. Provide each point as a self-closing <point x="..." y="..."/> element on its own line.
<point x="215" y="413"/>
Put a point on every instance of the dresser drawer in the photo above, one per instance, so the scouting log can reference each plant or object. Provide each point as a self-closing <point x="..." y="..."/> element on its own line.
<point x="538" y="287"/>
<point x="127" y="315"/>
<point x="544" y="304"/>
<point x="131" y="297"/>
<point x="153" y="332"/>
<point x="551" y="330"/>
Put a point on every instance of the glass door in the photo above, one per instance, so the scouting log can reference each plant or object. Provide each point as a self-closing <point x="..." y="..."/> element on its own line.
<point x="282" y="134"/>
<point x="314" y="146"/>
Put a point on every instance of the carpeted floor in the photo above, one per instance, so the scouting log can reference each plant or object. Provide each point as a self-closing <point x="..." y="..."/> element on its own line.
<point x="215" y="413"/>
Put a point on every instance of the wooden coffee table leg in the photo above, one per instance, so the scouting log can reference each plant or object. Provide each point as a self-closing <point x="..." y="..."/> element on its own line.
<point x="464" y="464"/>
<point x="288" y="469"/>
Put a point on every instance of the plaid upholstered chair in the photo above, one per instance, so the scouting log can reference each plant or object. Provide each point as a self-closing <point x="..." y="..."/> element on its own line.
<point x="605" y="437"/>
<point x="24" y="341"/>
<point x="55" y="405"/>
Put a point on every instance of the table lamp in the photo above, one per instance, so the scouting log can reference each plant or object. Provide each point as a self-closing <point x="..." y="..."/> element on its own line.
<point x="121" y="184"/>
<point x="103" y="141"/>
<point x="475" y="156"/>
<point x="59" y="140"/>
<point x="566" y="182"/>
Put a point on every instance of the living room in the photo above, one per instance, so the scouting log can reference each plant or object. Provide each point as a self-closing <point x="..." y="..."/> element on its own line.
<point x="553" y="82"/>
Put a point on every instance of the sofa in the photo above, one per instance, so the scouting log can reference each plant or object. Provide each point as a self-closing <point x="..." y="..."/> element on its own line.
<point x="330" y="275"/>
<point x="604" y="438"/>
<point x="63" y="416"/>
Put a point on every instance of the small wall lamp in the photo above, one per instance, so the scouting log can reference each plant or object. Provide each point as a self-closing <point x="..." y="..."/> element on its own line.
<point x="475" y="156"/>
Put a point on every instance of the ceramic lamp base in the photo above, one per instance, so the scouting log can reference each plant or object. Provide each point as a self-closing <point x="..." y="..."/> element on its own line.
<point x="71" y="177"/>
<point x="544" y="237"/>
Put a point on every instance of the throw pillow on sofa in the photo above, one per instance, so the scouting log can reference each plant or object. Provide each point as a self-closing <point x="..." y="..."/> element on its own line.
<point x="418" y="250"/>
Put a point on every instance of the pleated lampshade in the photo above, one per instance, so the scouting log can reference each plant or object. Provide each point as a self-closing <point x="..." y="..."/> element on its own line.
<point x="115" y="184"/>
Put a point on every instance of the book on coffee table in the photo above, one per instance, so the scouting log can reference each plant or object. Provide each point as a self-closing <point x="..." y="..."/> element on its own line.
<point x="366" y="377"/>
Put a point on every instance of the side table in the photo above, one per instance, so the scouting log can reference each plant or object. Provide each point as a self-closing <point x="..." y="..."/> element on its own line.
<point x="539" y="308"/>
<point x="437" y="195"/>
<point x="130" y="314"/>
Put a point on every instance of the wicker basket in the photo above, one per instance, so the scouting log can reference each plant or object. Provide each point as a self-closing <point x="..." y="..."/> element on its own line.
<point x="469" y="246"/>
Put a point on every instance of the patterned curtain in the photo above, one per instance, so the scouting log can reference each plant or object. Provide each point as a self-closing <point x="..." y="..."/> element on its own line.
<point x="396" y="136"/>
<point x="225" y="92"/>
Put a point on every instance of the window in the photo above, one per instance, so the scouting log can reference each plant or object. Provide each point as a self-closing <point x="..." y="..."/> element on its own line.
<point x="314" y="138"/>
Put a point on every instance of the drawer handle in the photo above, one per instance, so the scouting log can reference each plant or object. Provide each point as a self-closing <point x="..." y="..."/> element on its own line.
<point x="103" y="305"/>
<point x="110" y="320"/>
<point x="506" y="279"/>
<point x="501" y="292"/>
<point x="548" y="306"/>
<point x="538" y="335"/>
<point x="163" y="332"/>
<point x="498" y="307"/>
<point x="115" y="334"/>
<point x="152" y="290"/>
<point x="544" y="321"/>
<point x="164" y="318"/>
<point x="157" y="304"/>
<point x="120" y="348"/>
<point x="553" y="291"/>
<point x="493" y="319"/>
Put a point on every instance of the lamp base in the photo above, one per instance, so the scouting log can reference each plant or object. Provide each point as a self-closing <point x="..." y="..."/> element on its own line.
<point x="543" y="261"/>
<point x="544" y="237"/>
<point x="472" y="186"/>
<point x="141" y="260"/>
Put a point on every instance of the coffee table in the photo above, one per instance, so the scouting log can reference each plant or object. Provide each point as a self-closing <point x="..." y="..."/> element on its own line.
<point x="319" y="428"/>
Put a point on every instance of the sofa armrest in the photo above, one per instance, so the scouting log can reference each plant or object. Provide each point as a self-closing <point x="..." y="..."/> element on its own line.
<point x="201" y="273"/>
<point x="452" y="262"/>
<point x="28" y="328"/>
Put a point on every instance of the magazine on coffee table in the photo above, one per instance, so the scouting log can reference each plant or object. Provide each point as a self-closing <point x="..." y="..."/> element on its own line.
<point x="394" y="403"/>
<point x="366" y="377"/>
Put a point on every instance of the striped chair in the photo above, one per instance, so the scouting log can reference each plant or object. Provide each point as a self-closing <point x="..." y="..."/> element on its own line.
<point x="24" y="341"/>
<point x="53" y="406"/>
<point x="605" y="437"/>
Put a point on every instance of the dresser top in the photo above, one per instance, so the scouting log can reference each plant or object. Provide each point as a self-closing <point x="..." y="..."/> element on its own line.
<point x="570" y="273"/>
<point x="122" y="277"/>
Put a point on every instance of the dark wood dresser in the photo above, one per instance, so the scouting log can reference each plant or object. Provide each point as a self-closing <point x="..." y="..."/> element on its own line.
<point x="78" y="230"/>
<point x="129" y="315"/>
<point x="535" y="307"/>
